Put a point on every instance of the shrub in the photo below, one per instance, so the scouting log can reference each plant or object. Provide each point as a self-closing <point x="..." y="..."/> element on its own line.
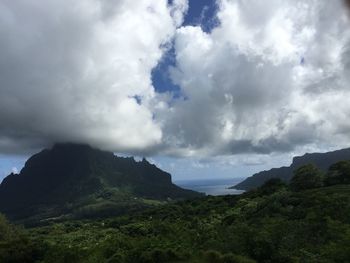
<point x="159" y="256"/>
<point x="306" y="177"/>
<point x="271" y="186"/>
<point x="338" y="173"/>
<point x="212" y="256"/>
<point x="15" y="246"/>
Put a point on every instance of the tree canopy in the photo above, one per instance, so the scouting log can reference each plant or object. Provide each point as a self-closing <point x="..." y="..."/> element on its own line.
<point x="306" y="177"/>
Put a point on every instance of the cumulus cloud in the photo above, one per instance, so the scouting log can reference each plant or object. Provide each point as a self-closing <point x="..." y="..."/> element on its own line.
<point x="267" y="78"/>
<point x="80" y="71"/>
<point x="270" y="78"/>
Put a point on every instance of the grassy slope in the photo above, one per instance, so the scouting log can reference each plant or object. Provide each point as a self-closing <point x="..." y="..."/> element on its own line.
<point x="311" y="226"/>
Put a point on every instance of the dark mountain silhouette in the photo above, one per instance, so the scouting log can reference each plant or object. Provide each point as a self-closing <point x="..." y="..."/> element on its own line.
<point x="78" y="178"/>
<point x="321" y="160"/>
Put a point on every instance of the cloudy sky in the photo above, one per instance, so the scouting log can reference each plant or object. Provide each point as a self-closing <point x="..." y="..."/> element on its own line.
<point x="203" y="88"/>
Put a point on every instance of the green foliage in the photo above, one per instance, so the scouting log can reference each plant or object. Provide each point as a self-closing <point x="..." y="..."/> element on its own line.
<point x="279" y="226"/>
<point x="15" y="245"/>
<point x="273" y="224"/>
<point x="306" y="177"/>
<point x="159" y="256"/>
<point x="339" y="173"/>
<point x="212" y="256"/>
<point x="271" y="186"/>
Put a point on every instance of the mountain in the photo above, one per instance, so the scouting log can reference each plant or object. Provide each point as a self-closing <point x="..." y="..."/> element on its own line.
<point x="77" y="179"/>
<point x="322" y="160"/>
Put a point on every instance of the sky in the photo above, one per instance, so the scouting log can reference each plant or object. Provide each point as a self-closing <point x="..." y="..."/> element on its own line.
<point x="203" y="89"/>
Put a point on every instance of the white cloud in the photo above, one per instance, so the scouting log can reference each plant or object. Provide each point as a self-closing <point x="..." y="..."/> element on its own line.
<point x="270" y="78"/>
<point x="70" y="71"/>
<point x="178" y="9"/>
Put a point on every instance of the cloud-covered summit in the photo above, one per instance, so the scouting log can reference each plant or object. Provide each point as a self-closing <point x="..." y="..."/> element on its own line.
<point x="72" y="70"/>
<point x="267" y="78"/>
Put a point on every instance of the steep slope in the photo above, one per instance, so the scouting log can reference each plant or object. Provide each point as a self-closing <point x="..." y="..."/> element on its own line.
<point x="72" y="176"/>
<point x="321" y="160"/>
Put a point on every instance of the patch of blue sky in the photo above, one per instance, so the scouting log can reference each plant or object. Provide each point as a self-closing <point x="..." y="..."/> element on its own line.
<point x="9" y="164"/>
<point x="201" y="13"/>
<point x="161" y="78"/>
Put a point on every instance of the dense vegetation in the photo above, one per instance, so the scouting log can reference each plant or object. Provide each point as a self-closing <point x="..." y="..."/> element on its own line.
<point x="16" y="245"/>
<point x="308" y="221"/>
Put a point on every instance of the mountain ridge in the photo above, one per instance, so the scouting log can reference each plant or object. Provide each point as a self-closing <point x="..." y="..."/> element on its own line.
<point x="80" y="176"/>
<point x="322" y="160"/>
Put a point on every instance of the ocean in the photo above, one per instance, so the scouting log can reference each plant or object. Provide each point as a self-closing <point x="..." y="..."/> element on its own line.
<point x="211" y="186"/>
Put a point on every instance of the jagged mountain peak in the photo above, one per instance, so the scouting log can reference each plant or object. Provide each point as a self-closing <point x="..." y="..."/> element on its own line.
<point x="70" y="173"/>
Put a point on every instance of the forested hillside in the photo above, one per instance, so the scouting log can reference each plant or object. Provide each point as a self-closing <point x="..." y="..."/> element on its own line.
<point x="306" y="221"/>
